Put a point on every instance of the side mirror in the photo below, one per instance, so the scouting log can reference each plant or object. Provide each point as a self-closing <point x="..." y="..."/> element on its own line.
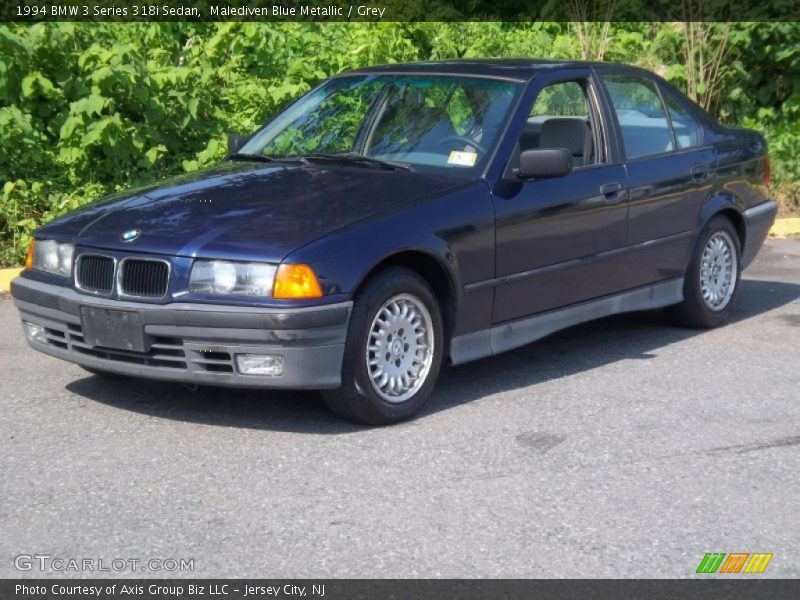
<point x="236" y="141"/>
<point x="544" y="162"/>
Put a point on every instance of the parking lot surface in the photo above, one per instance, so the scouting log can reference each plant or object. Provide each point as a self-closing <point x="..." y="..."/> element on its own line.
<point x="622" y="448"/>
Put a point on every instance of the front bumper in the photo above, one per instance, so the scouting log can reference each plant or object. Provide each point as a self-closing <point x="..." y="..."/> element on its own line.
<point x="194" y="343"/>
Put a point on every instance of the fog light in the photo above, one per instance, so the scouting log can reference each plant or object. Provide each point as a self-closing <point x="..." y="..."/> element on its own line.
<point x="34" y="333"/>
<point x="260" y="364"/>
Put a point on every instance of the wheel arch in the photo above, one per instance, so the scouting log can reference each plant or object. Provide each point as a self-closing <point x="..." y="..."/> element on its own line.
<point x="432" y="268"/>
<point x="731" y="207"/>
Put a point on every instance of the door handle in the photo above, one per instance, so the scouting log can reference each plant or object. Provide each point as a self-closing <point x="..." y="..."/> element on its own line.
<point x="611" y="191"/>
<point x="699" y="172"/>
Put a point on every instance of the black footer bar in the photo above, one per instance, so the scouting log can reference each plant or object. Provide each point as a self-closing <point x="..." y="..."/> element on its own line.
<point x="388" y="589"/>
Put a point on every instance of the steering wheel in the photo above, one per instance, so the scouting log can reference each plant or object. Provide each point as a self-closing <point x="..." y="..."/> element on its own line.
<point x="460" y="138"/>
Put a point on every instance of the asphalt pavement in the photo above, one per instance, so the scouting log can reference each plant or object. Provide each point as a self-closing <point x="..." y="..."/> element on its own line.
<point x="622" y="448"/>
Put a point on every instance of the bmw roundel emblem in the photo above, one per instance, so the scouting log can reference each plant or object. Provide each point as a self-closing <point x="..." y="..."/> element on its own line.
<point x="130" y="235"/>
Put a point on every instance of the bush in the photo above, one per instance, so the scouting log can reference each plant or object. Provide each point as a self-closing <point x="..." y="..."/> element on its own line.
<point x="91" y="108"/>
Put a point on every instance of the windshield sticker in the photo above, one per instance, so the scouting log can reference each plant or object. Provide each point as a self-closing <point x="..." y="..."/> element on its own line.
<point x="465" y="159"/>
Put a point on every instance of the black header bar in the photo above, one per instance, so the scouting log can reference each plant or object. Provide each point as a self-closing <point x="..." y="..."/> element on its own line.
<point x="266" y="11"/>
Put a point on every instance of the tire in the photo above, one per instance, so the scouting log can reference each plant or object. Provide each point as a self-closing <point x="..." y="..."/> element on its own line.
<point x="707" y="304"/>
<point x="413" y="341"/>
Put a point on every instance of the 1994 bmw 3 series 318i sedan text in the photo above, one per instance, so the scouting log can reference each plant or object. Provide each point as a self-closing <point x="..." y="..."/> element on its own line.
<point x="402" y="216"/>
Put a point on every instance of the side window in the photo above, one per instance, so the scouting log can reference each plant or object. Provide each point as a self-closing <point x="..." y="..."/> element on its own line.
<point x="560" y="99"/>
<point x="685" y="126"/>
<point x="640" y="112"/>
<point x="560" y="118"/>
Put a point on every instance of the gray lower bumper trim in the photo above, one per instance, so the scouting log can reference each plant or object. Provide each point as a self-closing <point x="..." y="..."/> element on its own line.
<point x="195" y="343"/>
<point x="507" y="336"/>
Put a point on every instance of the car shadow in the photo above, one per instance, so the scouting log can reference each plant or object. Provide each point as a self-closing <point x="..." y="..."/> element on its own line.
<point x="578" y="349"/>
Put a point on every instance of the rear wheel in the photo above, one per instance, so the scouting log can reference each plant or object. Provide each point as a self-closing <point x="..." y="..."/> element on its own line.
<point x="712" y="279"/>
<point x="394" y="350"/>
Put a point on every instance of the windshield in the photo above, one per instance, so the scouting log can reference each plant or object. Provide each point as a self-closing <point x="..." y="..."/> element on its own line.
<point x="424" y="121"/>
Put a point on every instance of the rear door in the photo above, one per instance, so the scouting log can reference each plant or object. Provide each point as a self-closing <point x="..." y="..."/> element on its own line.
<point x="669" y="172"/>
<point x="560" y="240"/>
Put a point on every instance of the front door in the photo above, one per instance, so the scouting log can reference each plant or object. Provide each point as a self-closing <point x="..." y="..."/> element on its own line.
<point x="560" y="240"/>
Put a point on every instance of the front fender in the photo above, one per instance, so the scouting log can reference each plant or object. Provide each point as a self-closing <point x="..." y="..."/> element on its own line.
<point x="455" y="229"/>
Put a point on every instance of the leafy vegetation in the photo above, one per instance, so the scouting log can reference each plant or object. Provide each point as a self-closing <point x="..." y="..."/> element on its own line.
<point x="86" y="109"/>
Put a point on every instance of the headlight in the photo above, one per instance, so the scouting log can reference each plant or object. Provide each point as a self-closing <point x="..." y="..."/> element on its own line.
<point x="51" y="256"/>
<point x="223" y="277"/>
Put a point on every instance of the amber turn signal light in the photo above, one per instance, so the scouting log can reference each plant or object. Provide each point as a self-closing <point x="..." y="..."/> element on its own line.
<point x="29" y="257"/>
<point x="296" y="282"/>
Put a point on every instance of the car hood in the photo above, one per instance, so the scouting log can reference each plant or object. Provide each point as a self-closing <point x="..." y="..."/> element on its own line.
<point x="245" y="210"/>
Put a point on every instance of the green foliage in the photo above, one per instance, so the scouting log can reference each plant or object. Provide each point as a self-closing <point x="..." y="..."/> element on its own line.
<point x="91" y="108"/>
<point x="766" y="96"/>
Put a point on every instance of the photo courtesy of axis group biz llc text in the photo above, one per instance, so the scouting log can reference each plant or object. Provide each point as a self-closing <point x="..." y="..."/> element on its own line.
<point x="174" y="588"/>
<point x="413" y="299"/>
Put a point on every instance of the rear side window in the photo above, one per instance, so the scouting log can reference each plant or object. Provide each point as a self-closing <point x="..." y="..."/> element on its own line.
<point x="641" y="115"/>
<point x="685" y="126"/>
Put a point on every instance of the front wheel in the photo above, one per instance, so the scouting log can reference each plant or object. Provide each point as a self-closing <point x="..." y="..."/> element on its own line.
<point x="712" y="278"/>
<point x="394" y="350"/>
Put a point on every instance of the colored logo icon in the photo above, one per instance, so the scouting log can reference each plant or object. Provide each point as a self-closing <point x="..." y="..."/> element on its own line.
<point x="736" y="562"/>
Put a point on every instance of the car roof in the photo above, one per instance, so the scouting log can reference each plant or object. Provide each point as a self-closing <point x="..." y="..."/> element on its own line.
<point x="521" y="69"/>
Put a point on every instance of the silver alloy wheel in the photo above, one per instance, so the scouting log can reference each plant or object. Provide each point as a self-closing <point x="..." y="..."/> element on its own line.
<point x="400" y="348"/>
<point x="718" y="271"/>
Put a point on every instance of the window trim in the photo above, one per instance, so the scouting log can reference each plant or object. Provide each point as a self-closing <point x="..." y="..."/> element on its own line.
<point x="672" y="135"/>
<point x="667" y="93"/>
<point x="596" y="114"/>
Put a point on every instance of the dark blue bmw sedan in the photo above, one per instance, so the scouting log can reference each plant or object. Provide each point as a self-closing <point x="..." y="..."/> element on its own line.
<point x="401" y="217"/>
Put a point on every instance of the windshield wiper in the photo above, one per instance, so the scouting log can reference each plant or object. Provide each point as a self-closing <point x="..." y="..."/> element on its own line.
<point x="349" y="158"/>
<point x="245" y="156"/>
<point x="261" y="158"/>
<point x="358" y="159"/>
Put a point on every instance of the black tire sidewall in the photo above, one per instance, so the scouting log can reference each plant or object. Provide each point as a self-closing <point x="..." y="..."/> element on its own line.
<point x="370" y="407"/>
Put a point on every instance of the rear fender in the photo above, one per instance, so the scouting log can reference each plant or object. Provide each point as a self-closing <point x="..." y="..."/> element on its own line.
<point x="732" y="206"/>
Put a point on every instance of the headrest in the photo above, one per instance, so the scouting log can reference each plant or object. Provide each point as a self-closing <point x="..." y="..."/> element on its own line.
<point x="561" y="132"/>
